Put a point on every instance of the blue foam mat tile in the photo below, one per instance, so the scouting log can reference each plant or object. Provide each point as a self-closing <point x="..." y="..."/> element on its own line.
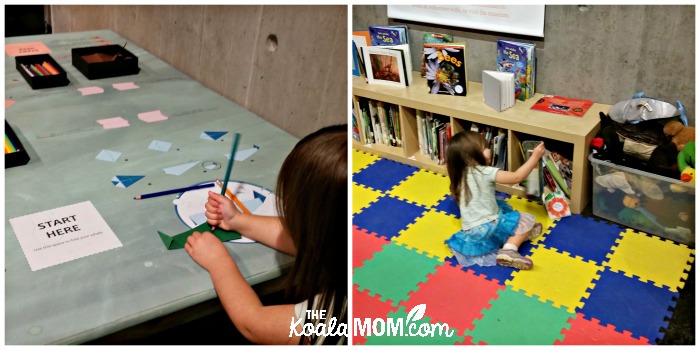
<point x="383" y="174"/>
<point x="630" y="305"/>
<point x="388" y="216"/>
<point x="449" y="206"/>
<point x="581" y="236"/>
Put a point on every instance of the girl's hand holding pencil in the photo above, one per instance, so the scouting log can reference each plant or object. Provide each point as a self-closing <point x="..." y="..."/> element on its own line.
<point x="220" y="211"/>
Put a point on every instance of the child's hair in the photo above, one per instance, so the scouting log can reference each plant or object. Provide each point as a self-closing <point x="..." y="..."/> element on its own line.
<point x="465" y="149"/>
<point x="312" y="204"/>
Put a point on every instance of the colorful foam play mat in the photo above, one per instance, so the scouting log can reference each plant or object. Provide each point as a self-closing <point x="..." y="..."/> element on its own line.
<point x="592" y="282"/>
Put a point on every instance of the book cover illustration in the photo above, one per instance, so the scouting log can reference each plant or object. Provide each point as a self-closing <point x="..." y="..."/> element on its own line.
<point x="388" y="65"/>
<point x="446" y="68"/>
<point x="388" y="35"/>
<point x="517" y="58"/>
<point x="432" y="38"/>
<point x="562" y="105"/>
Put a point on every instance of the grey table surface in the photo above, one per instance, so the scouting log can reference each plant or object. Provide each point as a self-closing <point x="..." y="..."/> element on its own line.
<point x="97" y="295"/>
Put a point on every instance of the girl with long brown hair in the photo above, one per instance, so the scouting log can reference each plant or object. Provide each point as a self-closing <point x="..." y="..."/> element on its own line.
<point x="491" y="231"/>
<point x="312" y="226"/>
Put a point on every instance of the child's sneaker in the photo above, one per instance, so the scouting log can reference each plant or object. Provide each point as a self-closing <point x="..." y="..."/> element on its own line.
<point x="535" y="232"/>
<point x="511" y="258"/>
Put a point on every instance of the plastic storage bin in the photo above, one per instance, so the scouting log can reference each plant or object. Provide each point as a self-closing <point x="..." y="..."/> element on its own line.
<point x="646" y="202"/>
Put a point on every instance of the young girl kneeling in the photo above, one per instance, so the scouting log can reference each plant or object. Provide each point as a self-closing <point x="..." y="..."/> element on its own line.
<point x="488" y="223"/>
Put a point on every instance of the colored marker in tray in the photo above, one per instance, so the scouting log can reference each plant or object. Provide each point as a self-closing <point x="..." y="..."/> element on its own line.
<point x="41" y="71"/>
<point x="15" y="154"/>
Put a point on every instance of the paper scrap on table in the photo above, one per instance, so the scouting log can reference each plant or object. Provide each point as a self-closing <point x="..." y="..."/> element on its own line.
<point x="244" y="154"/>
<point x="162" y="146"/>
<point x="9" y="103"/>
<point x="91" y="90"/>
<point x="199" y="218"/>
<point x="108" y="156"/>
<point x="125" y="181"/>
<point x="63" y="234"/>
<point x="112" y="123"/>
<point x="253" y="204"/>
<point x="212" y="135"/>
<point x="180" y="169"/>
<point x="152" y="116"/>
<point x="25" y="49"/>
<point x="125" y="86"/>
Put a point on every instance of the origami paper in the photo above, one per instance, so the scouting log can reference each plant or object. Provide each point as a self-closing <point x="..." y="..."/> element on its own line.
<point x="180" y="169"/>
<point x="162" y="146"/>
<point x="108" y="156"/>
<point x="178" y="241"/>
<point x="244" y="154"/>
<point x="112" y="123"/>
<point x="212" y="135"/>
<point x="9" y="103"/>
<point x="91" y="90"/>
<point x="125" y="86"/>
<point x="152" y="116"/>
<point x="125" y="181"/>
<point x="25" y="49"/>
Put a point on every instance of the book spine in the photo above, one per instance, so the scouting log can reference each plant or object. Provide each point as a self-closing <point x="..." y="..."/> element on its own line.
<point x="375" y="122"/>
<point x="390" y="124"/>
<point x="381" y="115"/>
<point x="367" y="123"/>
<point x="420" y="125"/>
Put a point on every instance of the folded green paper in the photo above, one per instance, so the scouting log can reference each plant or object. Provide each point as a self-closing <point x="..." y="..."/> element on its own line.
<point x="178" y="241"/>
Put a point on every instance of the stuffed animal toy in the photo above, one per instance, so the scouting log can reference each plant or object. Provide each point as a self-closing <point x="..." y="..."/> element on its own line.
<point x="686" y="158"/>
<point x="679" y="133"/>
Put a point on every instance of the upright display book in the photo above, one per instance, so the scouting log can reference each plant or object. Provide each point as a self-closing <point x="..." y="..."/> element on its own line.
<point x="388" y="35"/>
<point x="562" y="105"/>
<point x="446" y="68"/>
<point x="498" y="89"/>
<point x="433" y="38"/>
<point x="518" y="58"/>
<point x="388" y="65"/>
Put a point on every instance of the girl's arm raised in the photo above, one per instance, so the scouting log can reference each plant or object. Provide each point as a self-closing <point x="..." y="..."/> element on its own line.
<point x="515" y="177"/>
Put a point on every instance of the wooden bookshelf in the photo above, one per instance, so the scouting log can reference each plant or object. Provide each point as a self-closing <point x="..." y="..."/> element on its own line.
<point x="519" y="120"/>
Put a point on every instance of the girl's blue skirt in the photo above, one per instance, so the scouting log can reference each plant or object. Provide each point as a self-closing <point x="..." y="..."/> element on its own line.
<point x="480" y="244"/>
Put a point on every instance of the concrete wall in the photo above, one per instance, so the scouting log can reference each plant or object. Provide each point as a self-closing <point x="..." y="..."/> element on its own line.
<point x="605" y="54"/>
<point x="300" y="87"/>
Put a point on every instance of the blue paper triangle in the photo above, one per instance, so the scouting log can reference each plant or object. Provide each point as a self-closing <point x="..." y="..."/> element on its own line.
<point x="259" y="196"/>
<point x="129" y="180"/>
<point x="215" y="135"/>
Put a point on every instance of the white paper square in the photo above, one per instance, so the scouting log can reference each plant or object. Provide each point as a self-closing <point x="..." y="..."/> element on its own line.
<point x="44" y="245"/>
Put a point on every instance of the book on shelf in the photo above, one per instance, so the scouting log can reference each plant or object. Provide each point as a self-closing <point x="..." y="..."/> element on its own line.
<point x="518" y="58"/>
<point x="432" y="38"/>
<point x="534" y="185"/>
<point x="355" y="61"/>
<point x="355" y="126"/>
<point x="420" y="123"/>
<point x="500" y="150"/>
<point x="360" y="39"/>
<point x="497" y="87"/>
<point x="388" y="65"/>
<point x="379" y="122"/>
<point x="388" y="35"/>
<point x="556" y="173"/>
<point x="562" y="105"/>
<point x="446" y="68"/>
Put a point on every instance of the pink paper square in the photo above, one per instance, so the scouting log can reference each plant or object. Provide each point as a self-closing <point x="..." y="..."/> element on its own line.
<point x="112" y="123"/>
<point x="152" y="116"/>
<point x="91" y="90"/>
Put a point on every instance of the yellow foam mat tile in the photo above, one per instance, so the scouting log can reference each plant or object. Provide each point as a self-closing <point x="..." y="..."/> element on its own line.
<point x="422" y="188"/>
<point x="557" y="277"/>
<point x="361" y="160"/>
<point x="651" y="258"/>
<point x="362" y="197"/>
<point x="428" y="234"/>
<point x="534" y="208"/>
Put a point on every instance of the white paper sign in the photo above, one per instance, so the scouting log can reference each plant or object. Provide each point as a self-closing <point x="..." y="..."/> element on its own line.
<point x="516" y="19"/>
<point x="63" y="234"/>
